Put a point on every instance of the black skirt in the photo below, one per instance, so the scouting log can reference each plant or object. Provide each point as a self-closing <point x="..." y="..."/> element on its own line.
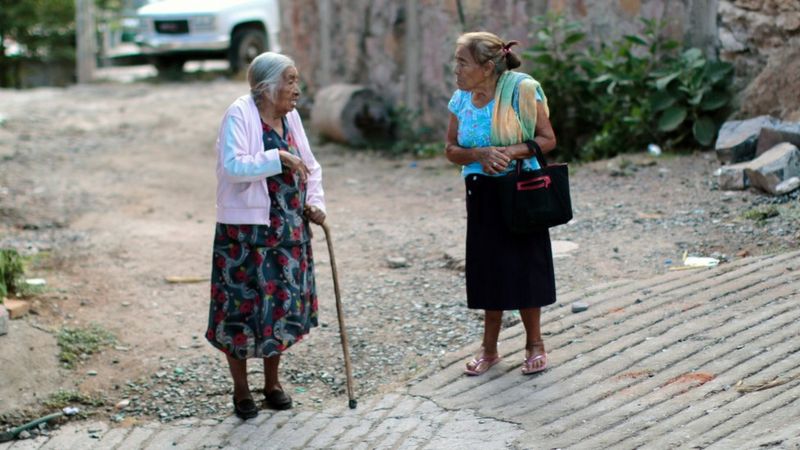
<point x="504" y="271"/>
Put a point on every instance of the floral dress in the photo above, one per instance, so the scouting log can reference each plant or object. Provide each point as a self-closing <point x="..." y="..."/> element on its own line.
<point x="263" y="295"/>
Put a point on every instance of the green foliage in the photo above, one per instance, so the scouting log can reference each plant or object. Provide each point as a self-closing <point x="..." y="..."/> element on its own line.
<point x="63" y="398"/>
<point x="43" y="29"/>
<point x="698" y="91"/>
<point x="78" y="343"/>
<point x="619" y="105"/>
<point x="408" y="137"/>
<point x="617" y="97"/>
<point x="12" y="269"/>
<point x="557" y="59"/>
<point x="760" y="214"/>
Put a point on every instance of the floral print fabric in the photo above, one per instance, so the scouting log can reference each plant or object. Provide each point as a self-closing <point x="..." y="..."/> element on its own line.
<point x="263" y="295"/>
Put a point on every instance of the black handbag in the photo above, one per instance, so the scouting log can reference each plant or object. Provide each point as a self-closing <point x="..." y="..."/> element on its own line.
<point x="536" y="200"/>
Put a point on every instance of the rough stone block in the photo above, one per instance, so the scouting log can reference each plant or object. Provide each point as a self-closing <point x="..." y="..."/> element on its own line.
<point x="732" y="177"/>
<point x="3" y="320"/>
<point x="16" y="308"/>
<point x="774" y="90"/>
<point x="776" y="165"/>
<point x="737" y="139"/>
<point x="771" y="136"/>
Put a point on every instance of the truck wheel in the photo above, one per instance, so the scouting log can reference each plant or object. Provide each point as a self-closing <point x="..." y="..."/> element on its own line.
<point x="169" y="67"/>
<point x="245" y="46"/>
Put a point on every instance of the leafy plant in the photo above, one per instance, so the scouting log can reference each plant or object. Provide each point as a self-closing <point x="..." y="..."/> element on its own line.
<point x="42" y="30"/>
<point x="558" y="65"/>
<point x="12" y="269"/>
<point x="690" y="92"/>
<point x="617" y="97"/>
<point x="619" y="74"/>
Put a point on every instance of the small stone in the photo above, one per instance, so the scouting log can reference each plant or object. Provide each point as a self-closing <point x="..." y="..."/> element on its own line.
<point x="122" y="404"/>
<point x="92" y="373"/>
<point x="16" y="308"/>
<point x="579" y="307"/>
<point x="178" y="371"/>
<point x="3" y="320"/>
<point x="787" y="186"/>
<point x="24" y="435"/>
<point x="396" y="262"/>
<point x="71" y="410"/>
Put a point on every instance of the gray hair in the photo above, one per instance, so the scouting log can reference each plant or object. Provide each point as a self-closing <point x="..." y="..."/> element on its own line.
<point x="265" y="74"/>
<point x="485" y="47"/>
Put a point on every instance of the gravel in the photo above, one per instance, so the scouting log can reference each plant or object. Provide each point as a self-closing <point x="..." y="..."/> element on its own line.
<point x="398" y="249"/>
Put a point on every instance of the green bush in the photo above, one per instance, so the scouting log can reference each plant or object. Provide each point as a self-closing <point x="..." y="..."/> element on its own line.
<point x="407" y="137"/>
<point x="43" y="29"/>
<point x="617" y="97"/>
<point x="12" y="269"/>
<point x="691" y="95"/>
<point x="558" y="61"/>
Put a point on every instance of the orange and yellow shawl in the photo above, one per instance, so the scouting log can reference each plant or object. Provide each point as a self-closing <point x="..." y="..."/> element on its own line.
<point x="508" y="127"/>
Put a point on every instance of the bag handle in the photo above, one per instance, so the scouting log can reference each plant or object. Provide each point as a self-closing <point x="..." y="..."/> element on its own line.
<point x="534" y="148"/>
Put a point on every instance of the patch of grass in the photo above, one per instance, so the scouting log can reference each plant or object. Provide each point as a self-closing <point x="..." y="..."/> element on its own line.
<point x="77" y="343"/>
<point x="761" y="213"/>
<point x="62" y="398"/>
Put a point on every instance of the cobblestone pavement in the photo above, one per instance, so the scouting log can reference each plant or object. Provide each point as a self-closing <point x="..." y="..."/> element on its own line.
<point x="702" y="358"/>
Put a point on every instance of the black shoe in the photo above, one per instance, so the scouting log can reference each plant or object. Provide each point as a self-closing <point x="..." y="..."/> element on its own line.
<point x="245" y="408"/>
<point x="277" y="399"/>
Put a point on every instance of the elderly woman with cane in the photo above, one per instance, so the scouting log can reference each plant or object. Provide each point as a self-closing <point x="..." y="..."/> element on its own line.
<point x="269" y="185"/>
<point x="492" y="111"/>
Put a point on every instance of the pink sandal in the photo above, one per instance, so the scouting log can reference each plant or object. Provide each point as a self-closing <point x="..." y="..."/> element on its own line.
<point x="527" y="366"/>
<point x="479" y="366"/>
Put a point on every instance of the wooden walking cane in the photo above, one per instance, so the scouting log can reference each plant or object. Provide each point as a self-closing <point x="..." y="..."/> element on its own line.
<point x="340" y="313"/>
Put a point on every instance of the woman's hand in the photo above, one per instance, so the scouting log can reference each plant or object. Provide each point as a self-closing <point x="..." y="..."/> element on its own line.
<point x="294" y="164"/>
<point x="492" y="159"/>
<point x="315" y="214"/>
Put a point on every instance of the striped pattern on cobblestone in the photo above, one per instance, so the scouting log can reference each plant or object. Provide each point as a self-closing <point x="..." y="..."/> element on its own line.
<point x="652" y="364"/>
<point x="394" y="421"/>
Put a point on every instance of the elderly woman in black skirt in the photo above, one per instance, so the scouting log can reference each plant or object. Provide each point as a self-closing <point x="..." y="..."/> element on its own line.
<point x="263" y="297"/>
<point x="504" y="271"/>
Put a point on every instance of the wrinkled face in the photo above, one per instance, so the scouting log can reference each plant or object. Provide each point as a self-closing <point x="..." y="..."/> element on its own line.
<point x="289" y="91"/>
<point x="469" y="74"/>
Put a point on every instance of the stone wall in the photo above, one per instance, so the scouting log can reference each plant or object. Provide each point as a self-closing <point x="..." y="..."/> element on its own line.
<point x="403" y="48"/>
<point x="752" y="31"/>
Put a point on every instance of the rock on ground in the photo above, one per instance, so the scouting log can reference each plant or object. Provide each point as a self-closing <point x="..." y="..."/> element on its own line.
<point x="736" y="141"/>
<point x="773" y="167"/>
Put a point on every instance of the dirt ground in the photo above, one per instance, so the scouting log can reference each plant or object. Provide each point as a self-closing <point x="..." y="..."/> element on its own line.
<point x="110" y="188"/>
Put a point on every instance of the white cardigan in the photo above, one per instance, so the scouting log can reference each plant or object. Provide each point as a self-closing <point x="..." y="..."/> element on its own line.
<point x="243" y="165"/>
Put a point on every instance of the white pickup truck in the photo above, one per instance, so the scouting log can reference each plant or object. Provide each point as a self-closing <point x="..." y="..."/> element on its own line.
<point x="172" y="32"/>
